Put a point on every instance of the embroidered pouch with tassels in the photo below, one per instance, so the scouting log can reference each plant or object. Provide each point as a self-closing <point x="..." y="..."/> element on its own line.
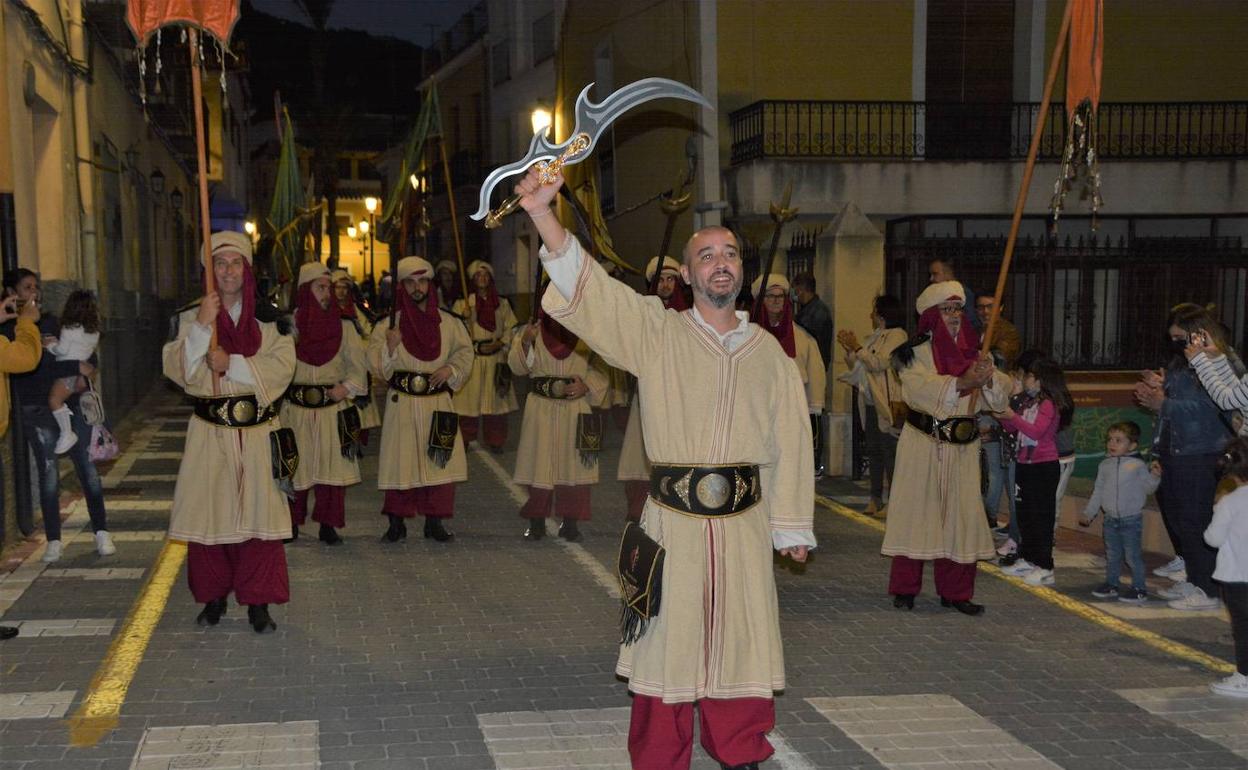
<point x="640" y="571"/>
<point x="589" y="438"/>
<point x="442" y="432"/>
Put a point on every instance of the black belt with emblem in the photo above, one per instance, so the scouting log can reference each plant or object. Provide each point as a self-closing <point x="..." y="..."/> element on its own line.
<point x="310" y="396"/>
<point x="476" y="346"/>
<point x="952" y="430"/>
<point x="233" y="411"/>
<point x="550" y="387"/>
<point x="706" y="490"/>
<point x="415" y="384"/>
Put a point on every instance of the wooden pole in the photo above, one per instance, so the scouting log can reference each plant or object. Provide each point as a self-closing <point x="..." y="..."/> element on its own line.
<point x="450" y="197"/>
<point x="1032" y="151"/>
<point x="201" y="159"/>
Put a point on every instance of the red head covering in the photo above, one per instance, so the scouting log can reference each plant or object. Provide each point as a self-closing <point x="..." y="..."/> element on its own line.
<point x="783" y="330"/>
<point x="320" y="329"/>
<point x="677" y="300"/>
<point x="557" y="339"/>
<point x="242" y="338"/>
<point x="953" y="357"/>
<point x="486" y="305"/>
<point x="421" y="329"/>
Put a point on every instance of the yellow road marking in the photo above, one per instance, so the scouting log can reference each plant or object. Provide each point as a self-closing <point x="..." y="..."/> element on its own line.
<point x="1073" y="606"/>
<point x="101" y="708"/>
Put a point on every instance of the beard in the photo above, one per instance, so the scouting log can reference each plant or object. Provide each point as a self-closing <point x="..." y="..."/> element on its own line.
<point x="720" y="299"/>
<point x="953" y="327"/>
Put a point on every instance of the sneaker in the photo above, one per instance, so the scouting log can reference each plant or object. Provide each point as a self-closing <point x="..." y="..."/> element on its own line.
<point x="1235" y="685"/>
<point x="1179" y="576"/>
<point x="1007" y="548"/>
<point x="1174" y="565"/>
<point x="1177" y="591"/>
<point x="1040" y="577"/>
<point x="1196" y="601"/>
<point x="1018" y="568"/>
<point x="65" y="442"/>
<point x="104" y="543"/>
<point x="53" y="551"/>
<point x="1105" y="591"/>
<point x="1134" y="596"/>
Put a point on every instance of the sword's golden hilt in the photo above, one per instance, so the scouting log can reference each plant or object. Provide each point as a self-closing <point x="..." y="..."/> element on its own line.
<point x="548" y="171"/>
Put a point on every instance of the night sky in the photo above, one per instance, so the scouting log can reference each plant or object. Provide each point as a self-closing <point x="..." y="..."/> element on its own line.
<point x="414" y="20"/>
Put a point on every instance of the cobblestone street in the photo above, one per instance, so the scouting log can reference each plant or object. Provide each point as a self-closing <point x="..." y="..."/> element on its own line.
<point x="494" y="652"/>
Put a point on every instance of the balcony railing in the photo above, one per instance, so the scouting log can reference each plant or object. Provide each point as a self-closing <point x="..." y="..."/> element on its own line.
<point x="989" y="131"/>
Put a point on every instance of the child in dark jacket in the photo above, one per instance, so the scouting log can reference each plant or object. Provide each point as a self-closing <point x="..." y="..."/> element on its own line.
<point x="1123" y="483"/>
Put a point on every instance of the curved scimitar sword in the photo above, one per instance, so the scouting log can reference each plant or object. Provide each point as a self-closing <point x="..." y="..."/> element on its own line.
<point x="591" y="120"/>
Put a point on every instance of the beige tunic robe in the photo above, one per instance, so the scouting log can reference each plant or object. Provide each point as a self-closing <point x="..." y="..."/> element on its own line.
<point x="935" y="510"/>
<point x="225" y="491"/>
<point x="634" y="465"/>
<point x="546" y="456"/>
<point x="316" y="430"/>
<point x="370" y="414"/>
<point x="404" y="462"/>
<point x="718" y="632"/>
<point x="810" y="365"/>
<point x="479" y="396"/>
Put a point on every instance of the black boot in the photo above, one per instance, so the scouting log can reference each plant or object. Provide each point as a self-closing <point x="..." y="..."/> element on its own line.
<point x="903" y="601"/>
<point x="8" y="632"/>
<point x="536" y="530"/>
<point x="568" y="530"/>
<point x="294" y="534"/>
<point x="397" y="530"/>
<point x="963" y="606"/>
<point x="211" y="614"/>
<point x="329" y="535"/>
<point x="435" y="530"/>
<point x="258" y="616"/>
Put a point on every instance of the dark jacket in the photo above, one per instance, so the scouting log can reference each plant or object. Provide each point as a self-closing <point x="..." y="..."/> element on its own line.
<point x="1189" y="422"/>
<point x="816" y="319"/>
<point x="33" y="387"/>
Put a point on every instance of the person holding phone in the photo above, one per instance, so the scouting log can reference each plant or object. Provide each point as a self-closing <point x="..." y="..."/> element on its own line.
<point x="21" y="354"/>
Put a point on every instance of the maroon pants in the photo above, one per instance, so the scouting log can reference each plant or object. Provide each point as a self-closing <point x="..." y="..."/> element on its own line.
<point x="636" y="493"/>
<point x="734" y="731"/>
<point x="570" y="502"/>
<point x="495" y="429"/>
<point x="330" y="509"/>
<point x="255" y="570"/>
<point x="955" y="582"/>
<point x="437" y="501"/>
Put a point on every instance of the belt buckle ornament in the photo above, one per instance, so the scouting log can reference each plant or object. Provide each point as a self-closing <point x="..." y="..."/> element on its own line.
<point x="313" y="396"/>
<point x="558" y="388"/>
<point x="713" y="490"/>
<point x="420" y="384"/>
<point x="222" y="411"/>
<point x="242" y="411"/>
<point x="962" y="431"/>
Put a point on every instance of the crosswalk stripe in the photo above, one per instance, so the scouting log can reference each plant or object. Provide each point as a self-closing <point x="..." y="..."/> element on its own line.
<point x="262" y="744"/>
<point x="932" y="730"/>
<point x="1216" y="718"/>
<point x="50" y="704"/>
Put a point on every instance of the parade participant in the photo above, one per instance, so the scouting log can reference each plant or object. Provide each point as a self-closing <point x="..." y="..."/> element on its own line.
<point x="555" y="459"/>
<point x="21" y="354"/>
<point x="486" y="395"/>
<point x="935" y="512"/>
<point x="777" y="318"/>
<point x="424" y="356"/>
<point x="634" y="467"/>
<point x="329" y="371"/>
<point x="446" y="283"/>
<point x="350" y="308"/>
<point x="724" y="417"/>
<point x="227" y="504"/>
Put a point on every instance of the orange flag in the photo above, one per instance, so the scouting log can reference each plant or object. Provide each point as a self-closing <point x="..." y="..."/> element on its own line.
<point x="1083" y="98"/>
<point x="215" y="17"/>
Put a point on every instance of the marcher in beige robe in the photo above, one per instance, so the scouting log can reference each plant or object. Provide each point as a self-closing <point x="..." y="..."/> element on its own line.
<point x="226" y="504"/>
<point x="776" y="316"/>
<point x="557" y="474"/>
<point x="352" y="309"/>
<point x="715" y="390"/>
<point x="491" y="323"/>
<point x="427" y="351"/>
<point x="935" y="509"/>
<point x="329" y="370"/>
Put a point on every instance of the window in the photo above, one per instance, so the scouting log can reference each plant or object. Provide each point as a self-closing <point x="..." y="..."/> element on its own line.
<point x="543" y="38"/>
<point x="344" y="169"/>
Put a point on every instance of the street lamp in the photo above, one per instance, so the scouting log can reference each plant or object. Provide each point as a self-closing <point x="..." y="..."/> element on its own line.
<point x="351" y="232"/>
<point x="249" y="227"/>
<point x="175" y="199"/>
<point x="158" y="181"/>
<point x="370" y="203"/>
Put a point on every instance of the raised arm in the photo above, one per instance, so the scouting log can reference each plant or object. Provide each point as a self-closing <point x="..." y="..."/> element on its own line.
<point x="1220" y="382"/>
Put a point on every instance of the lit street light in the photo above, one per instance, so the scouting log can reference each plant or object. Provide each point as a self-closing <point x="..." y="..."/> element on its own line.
<point x="541" y="119"/>
<point x="370" y="204"/>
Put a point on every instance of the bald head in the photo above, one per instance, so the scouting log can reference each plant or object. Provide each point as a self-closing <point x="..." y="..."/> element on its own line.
<point x="705" y="237"/>
<point x="712" y="266"/>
